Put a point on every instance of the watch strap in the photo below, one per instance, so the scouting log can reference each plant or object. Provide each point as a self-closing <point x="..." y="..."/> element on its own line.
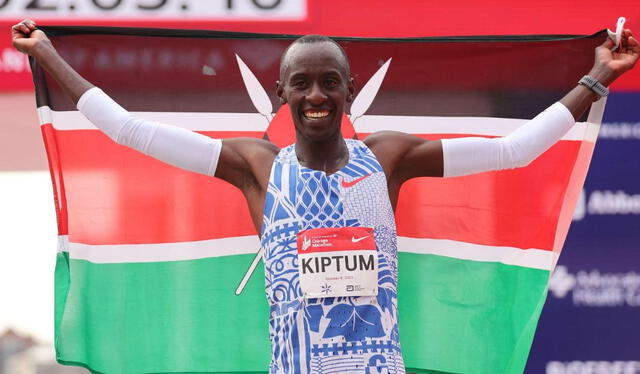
<point x="594" y="85"/>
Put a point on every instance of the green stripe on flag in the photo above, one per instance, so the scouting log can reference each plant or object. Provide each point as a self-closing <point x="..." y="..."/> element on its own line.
<point x="144" y="310"/>
<point x="487" y="310"/>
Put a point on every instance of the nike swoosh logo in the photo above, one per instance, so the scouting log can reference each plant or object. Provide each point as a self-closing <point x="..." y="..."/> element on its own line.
<point x="346" y="184"/>
<point x="354" y="240"/>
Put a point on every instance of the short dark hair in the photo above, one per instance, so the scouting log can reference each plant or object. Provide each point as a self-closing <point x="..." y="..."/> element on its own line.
<point x="314" y="38"/>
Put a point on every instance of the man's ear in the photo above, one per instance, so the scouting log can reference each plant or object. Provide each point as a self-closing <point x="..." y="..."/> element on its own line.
<point x="280" y="93"/>
<point x="352" y="90"/>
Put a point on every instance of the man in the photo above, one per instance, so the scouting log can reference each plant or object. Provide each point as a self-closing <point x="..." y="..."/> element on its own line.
<point x="324" y="206"/>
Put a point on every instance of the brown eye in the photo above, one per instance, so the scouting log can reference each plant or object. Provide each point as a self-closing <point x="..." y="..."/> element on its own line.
<point x="299" y="84"/>
<point x="331" y="83"/>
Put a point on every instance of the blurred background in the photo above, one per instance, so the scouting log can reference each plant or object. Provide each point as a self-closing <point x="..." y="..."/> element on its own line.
<point x="591" y="321"/>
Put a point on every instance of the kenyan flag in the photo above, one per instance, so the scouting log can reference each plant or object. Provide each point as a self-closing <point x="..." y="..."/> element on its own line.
<point x="150" y="255"/>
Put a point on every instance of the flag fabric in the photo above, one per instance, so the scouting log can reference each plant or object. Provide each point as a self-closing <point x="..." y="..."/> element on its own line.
<point x="150" y="255"/>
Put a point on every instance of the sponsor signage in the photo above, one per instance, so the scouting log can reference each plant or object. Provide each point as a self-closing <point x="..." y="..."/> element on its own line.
<point x="620" y="130"/>
<point x="591" y="320"/>
<point x="593" y="367"/>
<point x="607" y="202"/>
<point x="592" y="288"/>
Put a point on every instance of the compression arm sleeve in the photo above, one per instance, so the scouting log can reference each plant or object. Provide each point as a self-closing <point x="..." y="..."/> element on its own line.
<point x="463" y="156"/>
<point x="174" y="145"/>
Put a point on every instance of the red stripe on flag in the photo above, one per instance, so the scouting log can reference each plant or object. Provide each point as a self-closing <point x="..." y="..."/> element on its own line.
<point x="59" y="195"/>
<point x="576" y="181"/>
<point x="517" y="208"/>
<point x="125" y="200"/>
<point x="118" y="195"/>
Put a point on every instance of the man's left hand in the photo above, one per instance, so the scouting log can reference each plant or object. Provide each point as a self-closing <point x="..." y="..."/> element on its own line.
<point x="609" y="65"/>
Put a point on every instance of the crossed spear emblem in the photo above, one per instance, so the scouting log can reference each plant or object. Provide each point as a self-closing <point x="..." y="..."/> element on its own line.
<point x="261" y="102"/>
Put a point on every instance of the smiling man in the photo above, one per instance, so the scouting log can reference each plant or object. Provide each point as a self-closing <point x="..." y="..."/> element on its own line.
<point x="324" y="206"/>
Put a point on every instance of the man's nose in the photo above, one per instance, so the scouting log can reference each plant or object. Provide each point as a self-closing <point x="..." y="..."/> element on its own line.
<point x="315" y="95"/>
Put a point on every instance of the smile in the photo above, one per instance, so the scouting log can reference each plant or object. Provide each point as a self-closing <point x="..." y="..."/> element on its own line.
<point x="316" y="114"/>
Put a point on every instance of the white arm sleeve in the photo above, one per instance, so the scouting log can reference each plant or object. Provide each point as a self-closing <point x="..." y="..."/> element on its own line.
<point x="171" y="144"/>
<point x="463" y="156"/>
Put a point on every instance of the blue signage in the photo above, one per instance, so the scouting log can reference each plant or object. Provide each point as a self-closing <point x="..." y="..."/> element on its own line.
<point x="591" y="321"/>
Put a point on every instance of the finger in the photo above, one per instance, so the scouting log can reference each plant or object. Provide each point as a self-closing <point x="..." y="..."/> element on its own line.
<point x="608" y="44"/>
<point x="16" y="27"/>
<point x="629" y="44"/>
<point x="19" y="26"/>
<point x="24" y="29"/>
<point x="31" y="24"/>
<point x="634" y="46"/>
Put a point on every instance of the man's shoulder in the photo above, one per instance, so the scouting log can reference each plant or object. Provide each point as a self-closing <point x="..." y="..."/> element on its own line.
<point x="391" y="147"/>
<point x="246" y="145"/>
<point x="248" y="155"/>
<point x="389" y="138"/>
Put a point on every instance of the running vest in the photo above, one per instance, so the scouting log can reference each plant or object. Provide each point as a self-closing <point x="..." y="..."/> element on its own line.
<point x="329" y="334"/>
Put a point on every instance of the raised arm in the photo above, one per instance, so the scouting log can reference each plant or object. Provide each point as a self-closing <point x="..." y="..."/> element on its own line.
<point x="239" y="161"/>
<point x="405" y="156"/>
<point x="28" y="39"/>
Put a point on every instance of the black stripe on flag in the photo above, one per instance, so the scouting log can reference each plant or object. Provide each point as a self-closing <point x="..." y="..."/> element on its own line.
<point x="493" y="76"/>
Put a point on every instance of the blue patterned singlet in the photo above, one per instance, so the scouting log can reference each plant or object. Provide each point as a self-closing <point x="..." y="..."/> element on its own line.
<point x="335" y="334"/>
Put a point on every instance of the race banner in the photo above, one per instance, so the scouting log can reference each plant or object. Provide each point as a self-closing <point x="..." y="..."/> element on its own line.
<point x="150" y="255"/>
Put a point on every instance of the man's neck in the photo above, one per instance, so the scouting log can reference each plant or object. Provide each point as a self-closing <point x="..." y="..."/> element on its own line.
<point x="328" y="156"/>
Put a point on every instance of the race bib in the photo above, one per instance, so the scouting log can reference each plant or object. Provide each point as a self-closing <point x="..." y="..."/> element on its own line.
<point x="339" y="261"/>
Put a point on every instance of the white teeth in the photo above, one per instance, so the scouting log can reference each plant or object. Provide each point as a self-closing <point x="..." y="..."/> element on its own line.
<point x="316" y="114"/>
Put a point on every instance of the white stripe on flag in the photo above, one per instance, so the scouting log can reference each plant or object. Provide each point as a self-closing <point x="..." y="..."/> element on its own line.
<point x="484" y="126"/>
<point x="74" y="120"/>
<point x="488" y="126"/>
<point x="530" y="258"/>
<point x="181" y="251"/>
<point x="158" y="252"/>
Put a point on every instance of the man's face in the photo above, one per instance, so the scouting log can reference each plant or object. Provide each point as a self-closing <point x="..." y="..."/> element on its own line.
<point x="315" y="84"/>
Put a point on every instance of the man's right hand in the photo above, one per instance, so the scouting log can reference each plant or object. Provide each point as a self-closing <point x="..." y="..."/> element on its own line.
<point x="26" y="37"/>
